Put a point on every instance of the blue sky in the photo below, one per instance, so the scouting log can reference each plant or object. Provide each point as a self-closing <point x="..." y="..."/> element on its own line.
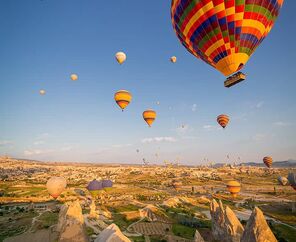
<point x="43" y="42"/>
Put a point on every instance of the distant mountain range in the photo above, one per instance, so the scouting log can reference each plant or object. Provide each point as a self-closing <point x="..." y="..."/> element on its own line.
<point x="275" y="164"/>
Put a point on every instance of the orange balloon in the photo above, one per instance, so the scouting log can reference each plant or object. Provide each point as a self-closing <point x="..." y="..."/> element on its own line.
<point x="233" y="187"/>
<point x="122" y="98"/>
<point x="149" y="116"/>
<point x="223" y="120"/>
<point x="267" y="161"/>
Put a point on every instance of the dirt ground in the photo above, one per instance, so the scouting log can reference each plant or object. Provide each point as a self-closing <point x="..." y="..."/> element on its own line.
<point x="44" y="235"/>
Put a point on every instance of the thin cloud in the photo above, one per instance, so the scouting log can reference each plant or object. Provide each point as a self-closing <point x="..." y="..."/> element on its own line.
<point x="39" y="142"/>
<point x="209" y="127"/>
<point x="194" y="107"/>
<point x="259" y="104"/>
<point x="5" y="143"/>
<point x="159" y="139"/>
<point x="67" y="148"/>
<point x="121" y="145"/>
<point x="31" y="152"/>
<point x="281" y="123"/>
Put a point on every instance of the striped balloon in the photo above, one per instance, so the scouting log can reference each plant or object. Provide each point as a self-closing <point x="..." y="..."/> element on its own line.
<point x="223" y="33"/>
<point x="149" y="116"/>
<point x="223" y="120"/>
<point x="267" y="161"/>
<point x="123" y="98"/>
<point x="233" y="187"/>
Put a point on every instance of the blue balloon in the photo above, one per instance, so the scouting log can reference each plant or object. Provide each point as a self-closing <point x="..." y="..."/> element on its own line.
<point x="95" y="185"/>
<point x="107" y="183"/>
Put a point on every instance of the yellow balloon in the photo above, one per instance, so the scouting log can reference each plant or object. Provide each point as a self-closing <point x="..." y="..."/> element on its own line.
<point x="233" y="187"/>
<point x="120" y="57"/>
<point x="74" y="77"/>
<point x="173" y="59"/>
<point x="149" y="116"/>
<point x="42" y="92"/>
<point x="122" y="98"/>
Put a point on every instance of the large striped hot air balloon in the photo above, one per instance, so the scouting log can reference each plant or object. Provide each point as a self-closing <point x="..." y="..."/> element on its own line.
<point x="55" y="186"/>
<point x="224" y="33"/>
<point x="149" y="116"/>
<point x="120" y="57"/>
<point x="233" y="187"/>
<point x="122" y="98"/>
<point x="267" y="161"/>
<point x="223" y="120"/>
<point x="292" y="179"/>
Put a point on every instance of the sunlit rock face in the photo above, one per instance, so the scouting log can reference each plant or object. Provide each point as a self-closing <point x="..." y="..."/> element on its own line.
<point x="225" y="225"/>
<point x="257" y="229"/>
<point x="71" y="223"/>
<point x="198" y="237"/>
<point x="93" y="212"/>
<point x="112" y="234"/>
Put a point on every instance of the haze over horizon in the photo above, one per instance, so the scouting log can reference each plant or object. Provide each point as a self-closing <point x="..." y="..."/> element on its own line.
<point x="44" y="42"/>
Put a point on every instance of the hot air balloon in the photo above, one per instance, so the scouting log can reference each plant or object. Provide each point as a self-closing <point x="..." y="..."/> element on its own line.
<point x="292" y="179"/>
<point x="282" y="180"/>
<point x="224" y="34"/>
<point x="149" y="116"/>
<point x="107" y="184"/>
<point x="123" y="98"/>
<point x="233" y="187"/>
<point x="137" y="150"/>
<point x="56" y="185"/>
<point x="223" y="120"/>
<point x="94" y="187"/>
<point x="158" y="102"/>
<point x="173" y="59"/>
<point x="120" y="57"/>
<point x="74" y="77"/>
<point x="42" y="92"/>
<point x="267" y="161"/>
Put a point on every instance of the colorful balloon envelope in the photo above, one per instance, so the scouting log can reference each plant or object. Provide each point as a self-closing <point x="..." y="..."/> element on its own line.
<point x="95" y="187"/>
<point x="122" y="98"/>
<point x="55" y="186"/>
<point x="233" y="187"/>
<point x="173" y="59"/>
<point x="223" y="120"/>
<point x="267" y="161"/>
<point x="292" y="179"/>
<point x="149" y="116"/>
<point x="42" y="92"/>
<point x="224" y="34"/>
<point x="120" y="57"/>
<point x="74" y="77"/>
<point x="107" y="184"/>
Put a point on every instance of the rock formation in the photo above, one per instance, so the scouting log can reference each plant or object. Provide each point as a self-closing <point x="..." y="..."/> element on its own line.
<point x="112" y="234"/>
<point x="257" y="229"/>
<point x="71" y="223"/>
<point x="197" y="237"/>
<point x="93" y="212"/>
<point x="225" y="224"/>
